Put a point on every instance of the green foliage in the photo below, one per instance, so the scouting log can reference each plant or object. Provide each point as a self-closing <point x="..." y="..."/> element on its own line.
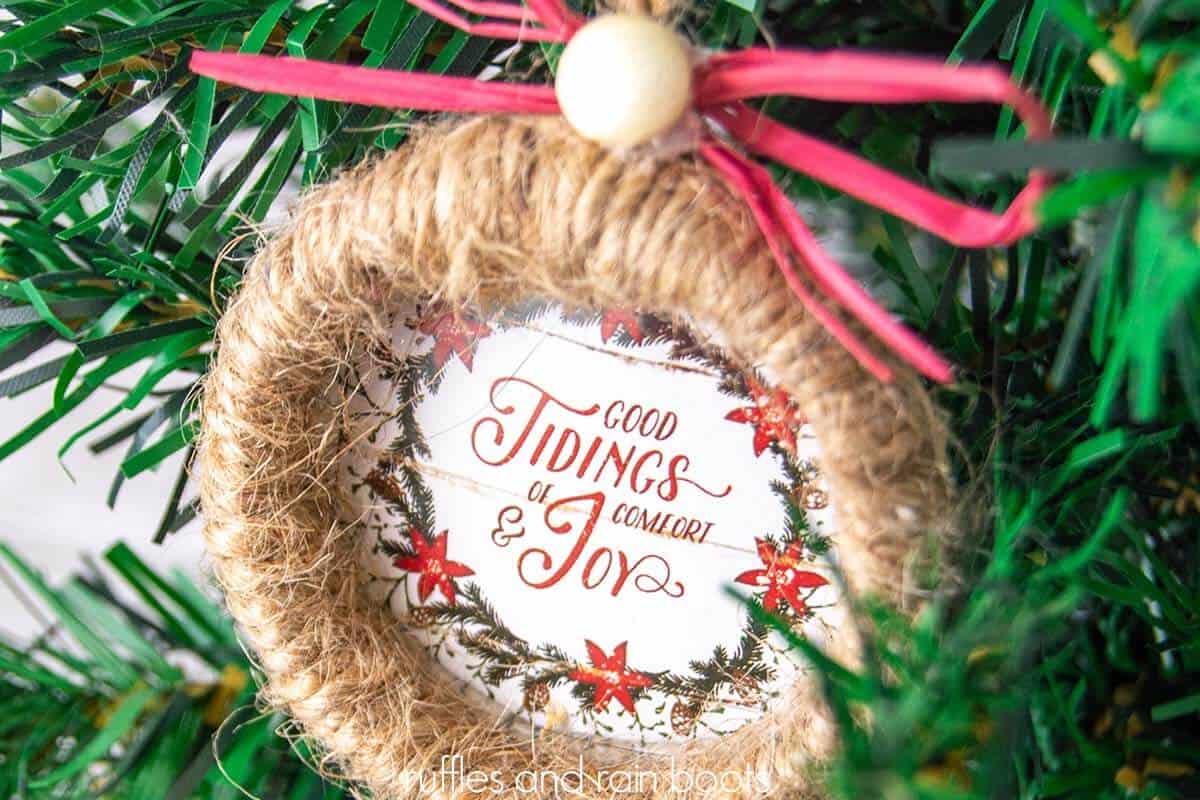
<point x="117" y="234"/>
<point x="121" y="699"/>
<point x="1069" y="668"/>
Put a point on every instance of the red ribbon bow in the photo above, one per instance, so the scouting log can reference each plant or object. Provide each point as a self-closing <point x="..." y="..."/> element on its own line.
<point x="722" y="82"/>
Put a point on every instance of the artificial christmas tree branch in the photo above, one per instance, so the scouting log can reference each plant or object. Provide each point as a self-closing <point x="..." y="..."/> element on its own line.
<point x="152" y="698"/>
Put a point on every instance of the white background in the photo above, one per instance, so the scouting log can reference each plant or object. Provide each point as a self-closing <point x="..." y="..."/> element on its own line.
<point x="52" y="521"/>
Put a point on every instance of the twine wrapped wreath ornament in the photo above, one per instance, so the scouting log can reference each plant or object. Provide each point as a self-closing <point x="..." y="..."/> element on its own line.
<point x="637" y="199"/>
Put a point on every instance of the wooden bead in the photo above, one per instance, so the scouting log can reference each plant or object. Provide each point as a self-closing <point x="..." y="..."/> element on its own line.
<point x="624" y="79"/>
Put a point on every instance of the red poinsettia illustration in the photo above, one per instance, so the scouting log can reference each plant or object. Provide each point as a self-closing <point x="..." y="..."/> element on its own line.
<point x="454" y="334"/>
<point x="431" y="563"/>
<point x="609" y="676"/>
<point x="615" y="318"/>
<point x="781" y="575"/>
<point x="774" y="416"/>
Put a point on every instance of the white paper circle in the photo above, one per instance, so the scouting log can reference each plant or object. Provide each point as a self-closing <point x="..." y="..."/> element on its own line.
<point x="558" y="504"/>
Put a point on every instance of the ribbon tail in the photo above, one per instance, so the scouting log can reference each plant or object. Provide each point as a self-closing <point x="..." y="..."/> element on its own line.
<point x="957" y="223"/>
<point x="846" y="76"/>
<point x="832" y="279"/>
<point x="372" y="87"/>
<point x="754" y="186"/>
<point x="851" y="77"/>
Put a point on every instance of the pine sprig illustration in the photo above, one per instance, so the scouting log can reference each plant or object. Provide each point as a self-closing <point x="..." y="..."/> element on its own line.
<point x="409" y="391"/>
<point x="522" y="314"/>
<point x="742" y="671"/>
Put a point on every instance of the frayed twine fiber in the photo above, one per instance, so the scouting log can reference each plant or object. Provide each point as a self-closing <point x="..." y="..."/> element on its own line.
<point x="485" y="212"/>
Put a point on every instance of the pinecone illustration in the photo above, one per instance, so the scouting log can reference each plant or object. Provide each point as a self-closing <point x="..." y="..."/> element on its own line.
<point x="537" y="695"/>
<point x="383" y="484"/>
<point x="422" y="617"/>
<point x="745" y="686"/>
<point x="683" y="717"/>
<point x="813" y="498"/>
<point x="809" y="493"/>
<point x="380" y="351"/>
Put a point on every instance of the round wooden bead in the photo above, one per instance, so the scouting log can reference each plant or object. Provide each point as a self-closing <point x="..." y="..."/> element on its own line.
<point x="624" y="79"/>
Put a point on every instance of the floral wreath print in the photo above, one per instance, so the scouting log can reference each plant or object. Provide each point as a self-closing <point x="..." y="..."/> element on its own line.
<point x="453" y="610"/>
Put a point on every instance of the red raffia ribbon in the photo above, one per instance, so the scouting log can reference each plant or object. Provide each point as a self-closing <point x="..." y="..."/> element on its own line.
<point x="722" y="82"/>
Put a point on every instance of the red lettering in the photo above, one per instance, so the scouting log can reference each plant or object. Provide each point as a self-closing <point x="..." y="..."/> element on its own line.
<point x="599" y="565"/>
<point x="637" y="468"/>
<point x="554" y="465"/>
<point x="668" y="489"/>
<point x="617" y="458"/>
<point x="497" y="425"/>
<point x="556" y="575"/>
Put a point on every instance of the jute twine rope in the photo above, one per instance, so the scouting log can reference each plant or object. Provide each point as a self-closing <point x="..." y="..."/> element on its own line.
<point x="485" y="212"/>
